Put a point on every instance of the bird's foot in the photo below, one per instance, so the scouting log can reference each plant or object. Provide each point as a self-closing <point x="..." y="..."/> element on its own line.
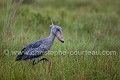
<point x="44" y="59"/>
<point x="33" y="63"/>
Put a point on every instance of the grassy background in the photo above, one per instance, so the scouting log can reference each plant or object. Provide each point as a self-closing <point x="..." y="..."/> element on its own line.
<point x="87" y="25"/>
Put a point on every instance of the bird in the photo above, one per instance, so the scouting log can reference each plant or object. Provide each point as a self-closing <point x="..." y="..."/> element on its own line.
<point x="35" y="50"/>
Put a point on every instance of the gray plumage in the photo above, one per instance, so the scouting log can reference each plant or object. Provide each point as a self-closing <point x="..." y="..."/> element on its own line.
<point x="37" y="49"/>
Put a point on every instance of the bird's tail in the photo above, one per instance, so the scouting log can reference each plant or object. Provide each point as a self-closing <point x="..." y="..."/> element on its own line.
<point x="19" y="57"/>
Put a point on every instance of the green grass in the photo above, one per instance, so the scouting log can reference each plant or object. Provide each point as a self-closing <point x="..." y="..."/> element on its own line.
<point x="92" y="25"/>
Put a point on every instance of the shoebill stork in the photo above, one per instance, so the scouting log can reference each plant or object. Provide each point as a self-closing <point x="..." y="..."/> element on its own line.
<point x="36" y="49"/>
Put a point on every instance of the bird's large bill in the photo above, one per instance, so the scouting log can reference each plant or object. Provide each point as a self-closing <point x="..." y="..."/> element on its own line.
<point x="60" y="36"/>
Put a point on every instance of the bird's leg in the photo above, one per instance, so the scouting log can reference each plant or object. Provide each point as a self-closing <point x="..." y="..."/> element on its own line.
<point x="31" y="60"/>
<point x="49" y="66"/>
<point x="35" y="61"/>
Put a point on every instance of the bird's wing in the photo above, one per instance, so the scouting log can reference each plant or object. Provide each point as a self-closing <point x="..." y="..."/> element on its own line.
<point x="32" y="46"/>
<point x="34" y="53"/>
<point x="31" y="51"/>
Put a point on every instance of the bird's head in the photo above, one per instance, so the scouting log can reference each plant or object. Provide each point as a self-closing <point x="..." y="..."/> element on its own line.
<point x="57" y="31"/>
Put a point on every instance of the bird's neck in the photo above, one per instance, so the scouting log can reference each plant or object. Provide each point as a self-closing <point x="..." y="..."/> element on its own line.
<point x="51" y="37"/>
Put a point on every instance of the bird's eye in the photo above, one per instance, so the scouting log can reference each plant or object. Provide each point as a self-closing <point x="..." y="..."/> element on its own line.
<point x="58" y="30"/>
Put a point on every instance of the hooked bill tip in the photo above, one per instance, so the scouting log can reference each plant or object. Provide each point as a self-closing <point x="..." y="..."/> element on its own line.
<point x="62" y="41"/>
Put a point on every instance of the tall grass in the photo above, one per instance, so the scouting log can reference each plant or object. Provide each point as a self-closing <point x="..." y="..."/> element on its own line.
<point x="88" y="25"/>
